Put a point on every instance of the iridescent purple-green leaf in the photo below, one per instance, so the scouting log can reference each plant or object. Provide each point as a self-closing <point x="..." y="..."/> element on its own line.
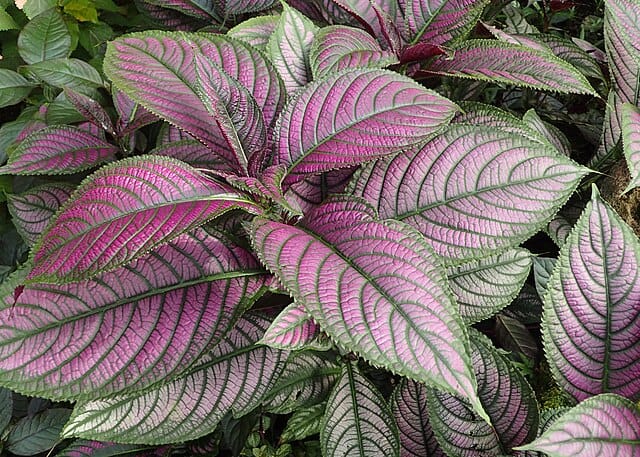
<point x="591" y="324"/>
<point x="472" y="190"/>
<point x="631" y="141"/>
<point x="149" y="201"/>
<point x="551" y="134"/>
<point x="340" y="47"/>
<point x="33" y="210"/>
<point x="255" y="31"/>
<point x="314" y="189"/>
<point x="233" y="377"/>
<point x="357" y="420"/>
<point x="130" y="328"/>
<point x="303" y="423"/>
<point x="606" y="425"/>
<point x="91" y="110"/>
<point x="195" y="154"/>
<point x="59" y="149"/>
<point x="512" y="64"/>
<point x="225" y="8"/>
<point x="294" y="329"/>
<point x="514" y="336"/>
<point x="356" y="116"/>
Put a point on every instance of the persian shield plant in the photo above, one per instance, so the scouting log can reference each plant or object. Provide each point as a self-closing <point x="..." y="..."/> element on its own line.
<point x="280" y="223"/>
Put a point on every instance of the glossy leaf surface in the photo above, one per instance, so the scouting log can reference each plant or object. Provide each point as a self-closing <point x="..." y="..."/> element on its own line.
<point x="45" y="37"/>
<point x="591" y="325"/>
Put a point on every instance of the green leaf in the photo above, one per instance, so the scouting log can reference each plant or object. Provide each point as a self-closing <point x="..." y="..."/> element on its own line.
<point x="45" y="37"/>
<point x="6" y="407"/>
<point x="82" y="10"/>
<point x="34" y="7"/>
<point x="73" y="73"/>
<point x="39" y="433"/>
<point x="13" y="87"/>
<point x="303" y="423"/>
<point x="7" y="22"/>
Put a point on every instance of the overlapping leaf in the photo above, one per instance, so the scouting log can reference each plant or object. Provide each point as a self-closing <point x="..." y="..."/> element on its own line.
<point x="293" y="329"/>
<point x="357" y="420"/>
<point x="195" y="154"/>
<point x="483" y="287"/>
<point x="74" y="73"/>
<point x="591" y="325"/>
<point x="226" y="8"/>
<point x="472" y="190"/>
<point x="314" y="189"/>
<point x="356" y="116"/>
<point x="512" y="64"/>
<point x="33" y="210"/>
<point x="338" y="47"/>
<point x="13" y="87"/>
<point x="631" y="141"/>
<point x="255" y="31"/>
<point x="44" y="37"/>
<point x="129" y="328"/>
<point x="514" y="336"/>
<point x="375" y="287"/>
<point x="507" y="397"/>
<point x="38" y="433"/>
<point x="150" y="201"/>
<point x="59" y="149"/>
<point x="606" y="425"/>
<point x="409" y="405"/>
<point x="233" y="377"/>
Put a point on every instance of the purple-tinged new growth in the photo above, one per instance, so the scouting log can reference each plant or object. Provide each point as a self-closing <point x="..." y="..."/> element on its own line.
<point x="123" y="211"/>
<point x="591" y="324"/>
<point x="59" y="149"/>
<point x="606" y="425"/>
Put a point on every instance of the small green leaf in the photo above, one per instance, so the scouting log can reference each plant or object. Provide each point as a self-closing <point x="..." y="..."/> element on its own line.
<point x="303" y="423"/>
<point x="82" y="10"/>
<point x="45" y="37"/>
<point x="13" y="87"/>
<point x="7" y="22"/>
<point x="34" y="7"/>
<point x="39" y="433"/>
<point x="6" y="406"/>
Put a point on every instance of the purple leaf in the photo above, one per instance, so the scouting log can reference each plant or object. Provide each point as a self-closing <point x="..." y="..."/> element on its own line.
<point x="306" y="380"/>
<point x="86" y="448"/>
<point x="472" y="190"/>
<point x="255" y="31"/>
<point x="91" y="110"/>
<point x="354" y="117"/>
<point x="289" y="45"/>
<point x="514" y="336"/>
<point x="409" y="405"/>
<point x="440" y="22"/>
<point x="33" y="210"/>
<point x="233" y="377"/>
<point x="606" y="425"/>
<point x="591" y="323"/>
<point x="572" y="53"/>
<point x="343" y="260"/>
<point x="512" y="64"/>
<point x="611" y="131"/>
<point x="204" y="10"/>
<point x="293" y="329"/>
<point x="420" y="51"/>
<point x="631" y="142"/>
<point x="150" y="200"/>
<point x="340" y="47"/>
<point x="226" y="8"/>
<point x="357" y="420"/>
<point x="130" y="328"/>
<point x="507" y="397"/>
<point x="549" y="133"/>
<point x="195" y="154"/>
<point x="132" y="116"/>
<point x="483" y="287"/>
<point x="313" y="190"/>
<point x="60" y="149"/>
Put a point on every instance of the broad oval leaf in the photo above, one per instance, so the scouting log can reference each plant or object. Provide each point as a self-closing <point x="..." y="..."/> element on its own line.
<point x="591" y="322"/>
<point x="255" y="31"/>
<point x="150" y="199"/>
<point x="357" y="420"/>
<point x="483" y="287"/>
<point x="514" y="336"/>
<point x="409" y="405"/>
<point x="353" y="117"/>
<point x="606" y="425"/>
<point x="33" y="210"/>
<point x="631" y="142"/>
<point x="74" y="73"/>
<point x="129" y="328"/>
<point x="36" y="434"/>
<point x="293" y="329"/>
<point x="472" y="190"/>
<point x="507" y="397"/>
<point x="512" y="64"/>
<point x="343" y="262"/>
<point x="59" y="149"/>
<point x="44" y="37"/>
<point x="233" y="377"/>
<point x="13" y="87"/>
<point x="339" y="47"/>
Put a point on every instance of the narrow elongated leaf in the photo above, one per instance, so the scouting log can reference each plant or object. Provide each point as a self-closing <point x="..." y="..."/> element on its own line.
<point x="307" y="380"/>
<point x="472" y="190"/>
<point x="33" y="210"/>
<point x="631" y="141"/>
<point x="36" y="434"/>
<point x="409" y="405"/>
<point x="255" y="31"/>
<point x="151" y="199"/>
<point x="354" y="117"/>
<point x="13" y="87"/>
<point x="129" y="328"/>
<point x="59" y="149"/>
<point x="289" y="46"/>
<point x="88" y="448"/>
<point x="483" y="287"/>
<point x="344" y="261"/>
<point x="132" y="115"/>
<point x="567" y="50"/>
<point x="357" y="420"/>
<point x="293" y="329"/>
<point x="340" y="47"/>
<point x="234" y="376"/>
<point x="74" y="73"/>
<point x="622" y="42"/>
<point x="542" y="268"/>
<point x="91" y="110"/>
<point x="507" y="397"/>
<point x="45" y="37"/>
<point x="201" y="9"/>
<point x="591" y="325"/>
<point x="378" y="17"/>
<point x="440" y="21"/>
<point x="512" y="64"/>
<point x="606" y="425"/>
